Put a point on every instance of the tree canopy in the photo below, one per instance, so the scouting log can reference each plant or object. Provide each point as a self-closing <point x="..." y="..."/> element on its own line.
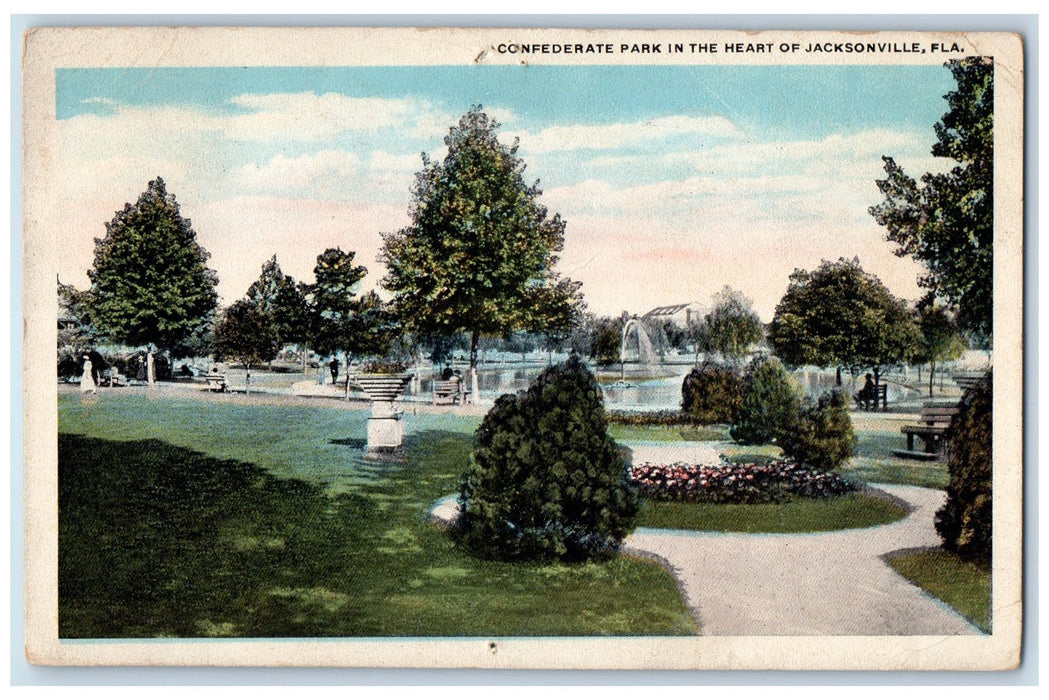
<point x="946" y="222"/>
<point x="333" y="302"/>
<point x="76" y="333"/>
<point x="838" y="315"/>
<point x="480" y="248"/>
<point x="278" y="295"/>
<point x="340" y="320"/>
<point x="150" y="284"/>
<point x="731" y="327"/>
<point x="247" y="333"/>
<point x="939" y="340"/>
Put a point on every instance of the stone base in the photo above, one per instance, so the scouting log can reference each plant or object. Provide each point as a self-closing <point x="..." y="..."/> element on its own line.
<point x="385" y="435"/>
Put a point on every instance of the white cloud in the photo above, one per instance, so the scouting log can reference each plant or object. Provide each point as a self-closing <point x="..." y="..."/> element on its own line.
<point x="319" y="173"/>
<point x="610" y="136"/>
<point x="310" y="117"/>
<point x="297" y="173"/>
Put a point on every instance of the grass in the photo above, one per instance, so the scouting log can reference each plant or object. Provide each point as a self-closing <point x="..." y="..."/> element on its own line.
<point x="853" y="510"/>
<point x="874" y="463"/>
<point x="188" y="518"/>
<point x="964" y="586"/>
<point x="877" y="436"/>
<point x="667" y="433"/>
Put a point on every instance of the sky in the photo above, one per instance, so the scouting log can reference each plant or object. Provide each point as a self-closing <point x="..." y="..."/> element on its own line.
<point x="675" y="181"/>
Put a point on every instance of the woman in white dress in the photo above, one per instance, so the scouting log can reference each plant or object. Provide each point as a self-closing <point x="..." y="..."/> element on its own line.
<point x="87" y="382"/>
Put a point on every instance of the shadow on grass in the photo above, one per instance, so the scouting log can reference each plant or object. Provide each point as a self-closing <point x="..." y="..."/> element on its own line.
<point x="356" y="443"/>
<point x="158" y="540"/>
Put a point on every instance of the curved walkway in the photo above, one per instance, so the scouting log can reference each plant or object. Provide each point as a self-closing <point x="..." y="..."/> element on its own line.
<point x="823" y="583"/>
<point x="830" y="583"/>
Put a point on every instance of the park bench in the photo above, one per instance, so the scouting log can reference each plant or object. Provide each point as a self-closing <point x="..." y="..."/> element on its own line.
<point x="217" y="382"/>
<point x="449" y="391"/>
<point x="881" y="394"/>
<point x="933" y="422"/>
<point x="967" y="380"/>
<point x="111" y="377"/>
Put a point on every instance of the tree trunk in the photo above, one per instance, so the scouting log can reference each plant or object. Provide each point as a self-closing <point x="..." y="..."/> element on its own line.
<point x="247" y="378"/>
<point x="347" y="395"/>
<point x="877" y="383"/>
<point x="151" y="376"/>
<point x="932" y="373"/>
<point x="837" y="376"/>
<point x="473" y="366"/>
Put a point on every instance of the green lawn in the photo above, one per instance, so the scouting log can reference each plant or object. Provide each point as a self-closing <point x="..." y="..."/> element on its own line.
<point x="801" y="515"/>
<point x="188" y="518"/>
<point x="877" y="436"/>
<point x="667" y="433"/>
<point x="964" y="586"/>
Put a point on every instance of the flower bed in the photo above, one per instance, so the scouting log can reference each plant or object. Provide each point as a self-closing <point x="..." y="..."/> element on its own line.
<point x="383" y="366"/>
<point x="735" y="483"/>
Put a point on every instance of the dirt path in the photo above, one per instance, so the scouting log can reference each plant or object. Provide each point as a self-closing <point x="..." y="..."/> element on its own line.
<point x="831" y="583"/>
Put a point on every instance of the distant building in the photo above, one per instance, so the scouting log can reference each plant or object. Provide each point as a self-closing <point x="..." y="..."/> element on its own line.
<point x="681" y="314"/>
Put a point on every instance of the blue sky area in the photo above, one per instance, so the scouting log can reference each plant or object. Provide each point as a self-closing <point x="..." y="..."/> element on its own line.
<point x="805" y="101"/>
<point x="675" y="180"/>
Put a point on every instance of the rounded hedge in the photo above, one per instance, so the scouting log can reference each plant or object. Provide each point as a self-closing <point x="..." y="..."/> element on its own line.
<point x="546" y="481"/>
<point x="964" y="521"/>
<point x="770" y="405"/>
<point x="822" y="436"/>
<point x="712" y="393"/>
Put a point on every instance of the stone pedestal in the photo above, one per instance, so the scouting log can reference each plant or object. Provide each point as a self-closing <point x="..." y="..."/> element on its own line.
<point x="385" y="434"/>
<point x="385" y="429"/>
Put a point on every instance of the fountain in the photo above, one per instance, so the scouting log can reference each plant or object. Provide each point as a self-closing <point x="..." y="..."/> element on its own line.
<point x="646" y="353"/>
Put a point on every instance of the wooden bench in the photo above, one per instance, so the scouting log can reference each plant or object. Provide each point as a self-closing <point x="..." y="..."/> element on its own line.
<point x="881" y="394"/>
<point x="111" y="377"/>
<point x="217" y="382"/>
<point x="449" y="391"/>
<point x="933" y="422"/>
<point x="967" y="380"/>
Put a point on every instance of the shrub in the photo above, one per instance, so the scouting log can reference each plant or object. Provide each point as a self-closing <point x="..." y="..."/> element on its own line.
<point x="712" y="393"/>
<point x="822" y="435"/>
<point x="664" y="417"/>
<point x="773" y="482"/>
<point x="546" y="481"/>
<point x="964" y="521"/>
<point x="770" y="404"/>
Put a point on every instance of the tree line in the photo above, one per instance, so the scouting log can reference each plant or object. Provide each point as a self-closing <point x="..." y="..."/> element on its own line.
<point x="477" y="261"/>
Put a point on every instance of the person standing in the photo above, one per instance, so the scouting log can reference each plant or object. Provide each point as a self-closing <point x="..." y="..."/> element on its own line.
<point x="87" y="380"/>
<point x="334" y="367"/>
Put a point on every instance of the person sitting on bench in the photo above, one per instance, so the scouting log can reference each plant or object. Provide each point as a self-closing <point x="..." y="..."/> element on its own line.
<point x="868" y="394"/>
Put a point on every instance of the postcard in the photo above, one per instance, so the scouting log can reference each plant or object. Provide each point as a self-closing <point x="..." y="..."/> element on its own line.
<point x="523" y="348"/>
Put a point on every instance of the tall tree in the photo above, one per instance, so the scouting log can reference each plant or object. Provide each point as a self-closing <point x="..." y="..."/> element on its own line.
<point x="280" y="296"/>
<point x="479" y="243"/>
<point x="76" y="334"/>
<point x="247" y="333"/>
<point x="555" y="311"/>
<point x="150" y="284"/>
<point x="946" y="223"/>
<point x="838" y="315"/>
<point x="732" y="327"/>
<point x="939" y="341"/>
<point x="342" y="321"/>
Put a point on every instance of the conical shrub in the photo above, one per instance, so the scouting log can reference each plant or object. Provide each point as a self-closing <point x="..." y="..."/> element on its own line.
<point x="546" y="481"/>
